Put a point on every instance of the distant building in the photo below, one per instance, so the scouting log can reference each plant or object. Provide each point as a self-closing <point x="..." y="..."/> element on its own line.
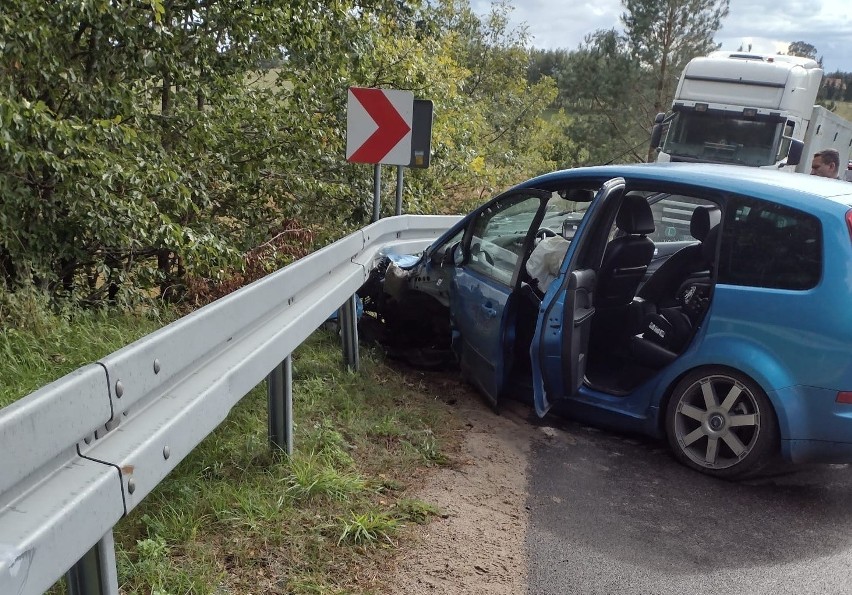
<point x="835" y="83"/>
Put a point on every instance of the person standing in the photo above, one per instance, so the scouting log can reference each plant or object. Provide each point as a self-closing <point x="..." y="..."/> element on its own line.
<point x="826" y="164"/>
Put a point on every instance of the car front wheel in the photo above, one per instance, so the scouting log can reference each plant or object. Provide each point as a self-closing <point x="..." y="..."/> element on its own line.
<point x="720" y="422"/>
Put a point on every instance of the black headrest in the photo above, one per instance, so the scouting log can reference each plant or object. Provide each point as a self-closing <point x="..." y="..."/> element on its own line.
<point x="703" y="219"/>
<point x="634" y="216"/>
<point x="708" y="244"/>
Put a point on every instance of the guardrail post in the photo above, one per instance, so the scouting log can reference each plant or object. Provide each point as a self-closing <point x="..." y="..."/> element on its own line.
<point x="348" y="316"/>
<point x="95" y="573"/>
<point x="279" y="389"/>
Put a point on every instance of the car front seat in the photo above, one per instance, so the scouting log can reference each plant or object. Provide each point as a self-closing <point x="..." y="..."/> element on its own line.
<point x="627" y="256"/>
<point x="661" y="288"/>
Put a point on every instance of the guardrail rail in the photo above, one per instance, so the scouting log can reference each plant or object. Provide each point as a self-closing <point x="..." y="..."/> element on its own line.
<point x="79" y="454"/>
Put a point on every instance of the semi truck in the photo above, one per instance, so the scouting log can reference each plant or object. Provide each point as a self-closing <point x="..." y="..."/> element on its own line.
<point x="750" y="109"/>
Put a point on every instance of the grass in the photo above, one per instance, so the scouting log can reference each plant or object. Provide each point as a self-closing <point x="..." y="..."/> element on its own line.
<point x="844" y="110"/>
<point x="236" y="517"/>
<point x="39" y="345"/>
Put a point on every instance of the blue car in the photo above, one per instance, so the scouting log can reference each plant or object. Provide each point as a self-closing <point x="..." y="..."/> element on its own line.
<point x="707" y="305"/>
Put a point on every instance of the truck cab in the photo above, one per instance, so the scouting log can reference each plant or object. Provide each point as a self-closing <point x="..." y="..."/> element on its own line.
<point x="741" y="108"/>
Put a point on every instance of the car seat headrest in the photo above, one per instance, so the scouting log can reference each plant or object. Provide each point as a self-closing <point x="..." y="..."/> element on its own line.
<point x="634" y="215"/>
<point x="703" y="220"/>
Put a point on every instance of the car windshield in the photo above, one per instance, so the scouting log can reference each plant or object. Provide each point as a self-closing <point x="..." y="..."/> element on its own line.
<point x="562" y="215"/>
<point x="723" y="138"/>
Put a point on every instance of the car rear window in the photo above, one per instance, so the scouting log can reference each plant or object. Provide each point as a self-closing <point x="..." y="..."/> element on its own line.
<point x="769" y="245"/>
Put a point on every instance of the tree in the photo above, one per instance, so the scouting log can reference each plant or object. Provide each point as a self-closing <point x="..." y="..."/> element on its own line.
<point x="602" y="90"/>
<point x="147" y="142"/>
<point x="665" y="34"/>
<point x="802" y="49"/>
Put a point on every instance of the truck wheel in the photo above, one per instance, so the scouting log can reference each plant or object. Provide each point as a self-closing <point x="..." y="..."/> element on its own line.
<point x="720" y="422"/>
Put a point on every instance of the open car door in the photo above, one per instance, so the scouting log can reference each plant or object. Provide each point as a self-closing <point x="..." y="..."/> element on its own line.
<point x="484" y="296"/>
<point x="560" y="345"/>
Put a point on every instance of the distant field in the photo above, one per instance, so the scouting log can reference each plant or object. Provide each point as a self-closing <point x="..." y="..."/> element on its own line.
<point x="844" y="109"/>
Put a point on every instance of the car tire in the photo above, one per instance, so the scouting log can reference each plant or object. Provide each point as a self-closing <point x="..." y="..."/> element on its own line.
<point x="720" y="422"/>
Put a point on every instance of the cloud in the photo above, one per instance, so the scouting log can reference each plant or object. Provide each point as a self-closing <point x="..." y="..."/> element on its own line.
<point x="771" y="24"/>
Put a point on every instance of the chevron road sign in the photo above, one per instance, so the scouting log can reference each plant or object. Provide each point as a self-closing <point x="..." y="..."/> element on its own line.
<point x="378" y="126"/>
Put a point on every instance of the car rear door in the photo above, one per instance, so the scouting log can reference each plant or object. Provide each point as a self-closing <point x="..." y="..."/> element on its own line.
<point x="484" y="291"/>
<point x="561" y="341"/>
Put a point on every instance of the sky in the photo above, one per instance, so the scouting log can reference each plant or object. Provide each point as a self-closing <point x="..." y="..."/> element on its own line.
<point x="768" y="25"/>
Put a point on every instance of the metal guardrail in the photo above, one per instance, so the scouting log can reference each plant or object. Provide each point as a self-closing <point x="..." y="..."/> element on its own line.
<point x="80" y="453"/>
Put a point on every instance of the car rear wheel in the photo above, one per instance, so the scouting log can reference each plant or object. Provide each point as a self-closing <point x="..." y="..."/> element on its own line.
<point x="720" y="422"/>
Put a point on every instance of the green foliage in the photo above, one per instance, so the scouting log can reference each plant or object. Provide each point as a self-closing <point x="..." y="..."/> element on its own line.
<point x="607" y="120"/>
<point x="802" y="49"/>
<point x="663" y="35"/>
<point x="39" y="344"/>
<point x="143" y="143"/>
<point x="368" y="527"/>
<point x="415" y="511"/>
<point x="613" y="85"/>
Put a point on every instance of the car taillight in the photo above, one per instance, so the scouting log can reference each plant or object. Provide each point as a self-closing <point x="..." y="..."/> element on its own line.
<point x="849" y="222"/>
<point x="845" y="396"/>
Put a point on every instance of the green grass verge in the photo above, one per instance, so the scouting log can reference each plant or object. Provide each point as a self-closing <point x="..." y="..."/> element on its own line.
<point x="235" y="517"/>
<point x="39" y="345"/>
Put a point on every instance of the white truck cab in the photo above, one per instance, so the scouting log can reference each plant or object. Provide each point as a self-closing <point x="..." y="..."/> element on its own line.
<point x="750" y="109"/>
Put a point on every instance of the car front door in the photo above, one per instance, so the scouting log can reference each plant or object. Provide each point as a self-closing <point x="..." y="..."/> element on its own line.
<point x="484" y="295"/>
<point x="560" y="345"/>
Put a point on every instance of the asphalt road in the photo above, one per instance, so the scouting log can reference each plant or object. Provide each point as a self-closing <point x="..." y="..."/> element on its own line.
<point x="615" y="514"/>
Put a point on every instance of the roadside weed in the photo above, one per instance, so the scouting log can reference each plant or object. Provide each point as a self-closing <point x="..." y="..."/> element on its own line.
<point x="415" y="511"/>
<point x="368" y="527"/>
<point x="310" y="477"/>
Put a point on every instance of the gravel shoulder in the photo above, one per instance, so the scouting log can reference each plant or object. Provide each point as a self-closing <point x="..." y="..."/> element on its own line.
<point x="477" y="546"/>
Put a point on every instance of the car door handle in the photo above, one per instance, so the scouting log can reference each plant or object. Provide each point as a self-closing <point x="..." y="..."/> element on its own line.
<point x="583" y="316"/>
<point x="489" y="311"/>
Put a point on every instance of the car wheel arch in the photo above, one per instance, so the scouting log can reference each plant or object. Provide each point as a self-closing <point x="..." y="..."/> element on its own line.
<point x="751" y="359"/>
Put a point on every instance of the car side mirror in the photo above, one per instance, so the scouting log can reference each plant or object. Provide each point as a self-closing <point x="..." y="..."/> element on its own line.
<point x="458" y="254"/>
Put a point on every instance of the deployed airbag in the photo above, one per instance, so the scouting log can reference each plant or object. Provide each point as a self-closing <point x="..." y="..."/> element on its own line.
<point x="543" y="264"/>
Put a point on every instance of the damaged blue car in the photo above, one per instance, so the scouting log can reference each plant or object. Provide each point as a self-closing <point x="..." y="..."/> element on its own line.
<point x="706" y="305"/>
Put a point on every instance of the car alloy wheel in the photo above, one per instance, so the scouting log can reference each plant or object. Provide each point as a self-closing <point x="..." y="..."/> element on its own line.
<point x="720" y="422"/>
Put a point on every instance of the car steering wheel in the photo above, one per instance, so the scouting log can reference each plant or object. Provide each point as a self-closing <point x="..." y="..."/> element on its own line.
<point x="545" y="232"/>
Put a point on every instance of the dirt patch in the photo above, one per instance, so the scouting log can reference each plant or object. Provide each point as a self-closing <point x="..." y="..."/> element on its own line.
<point x="477" y="546"/>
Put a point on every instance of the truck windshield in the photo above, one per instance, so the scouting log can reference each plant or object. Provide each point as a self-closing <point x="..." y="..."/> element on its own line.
<point x="720" y="137"/>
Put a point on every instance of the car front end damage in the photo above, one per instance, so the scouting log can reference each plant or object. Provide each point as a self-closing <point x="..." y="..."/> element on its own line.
<point x="406" y="310"/>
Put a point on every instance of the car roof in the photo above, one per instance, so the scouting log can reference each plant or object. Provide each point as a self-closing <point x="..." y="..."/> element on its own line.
<point x="730" y="178"/>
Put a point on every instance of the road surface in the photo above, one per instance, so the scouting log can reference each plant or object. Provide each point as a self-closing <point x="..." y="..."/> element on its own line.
<point x="611" y="513"/>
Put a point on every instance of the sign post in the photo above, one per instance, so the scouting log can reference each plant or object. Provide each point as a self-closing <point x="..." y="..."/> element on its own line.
<point x="385" y="126"/>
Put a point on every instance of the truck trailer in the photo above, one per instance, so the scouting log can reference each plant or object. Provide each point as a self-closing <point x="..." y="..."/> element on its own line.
<point x="750" y="109"/>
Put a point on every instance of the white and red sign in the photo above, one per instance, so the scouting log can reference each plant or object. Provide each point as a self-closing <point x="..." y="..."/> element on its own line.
<point x="378" y="126"/>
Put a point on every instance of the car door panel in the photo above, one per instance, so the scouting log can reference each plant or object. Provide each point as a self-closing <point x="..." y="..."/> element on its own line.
<point x="559" y="350"/>
<point x="484" y="285"/>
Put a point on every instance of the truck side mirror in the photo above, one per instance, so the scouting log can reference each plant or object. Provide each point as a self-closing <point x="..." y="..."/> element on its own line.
<point x="657" y="130"/>
<point x="794" y="156"/>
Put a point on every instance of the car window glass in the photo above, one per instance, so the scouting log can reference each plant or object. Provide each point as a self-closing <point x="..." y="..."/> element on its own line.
<point x="769" y="245"/>
<point x="562" y="216"/>
<point x="672" y="215"/>
<point x="497" y="241"/>
<point x="440" y="253"/>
